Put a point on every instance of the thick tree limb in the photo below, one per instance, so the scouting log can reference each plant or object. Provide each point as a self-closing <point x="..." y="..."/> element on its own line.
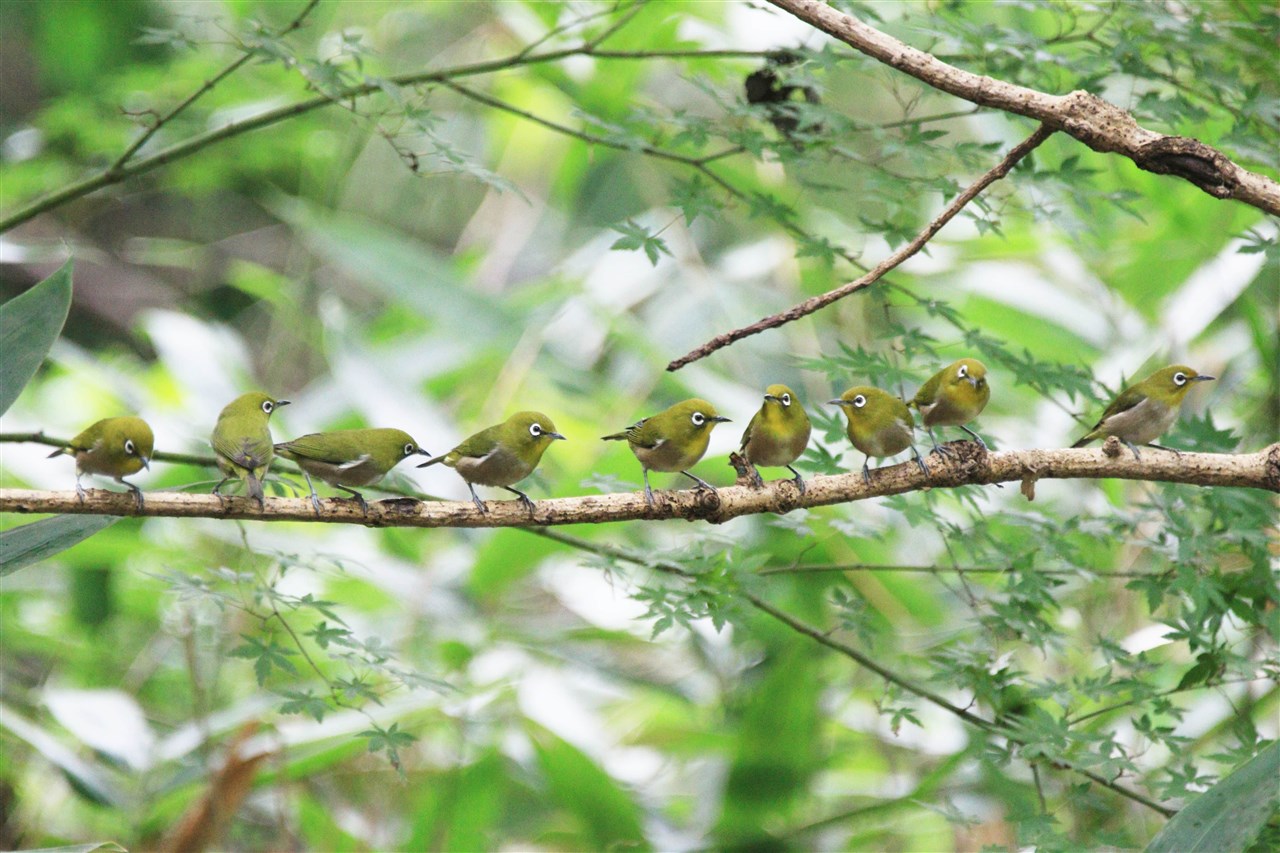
<point x="969" y="465"/>
<point x="1101" y="125"/>
<point x="816" y="303"/>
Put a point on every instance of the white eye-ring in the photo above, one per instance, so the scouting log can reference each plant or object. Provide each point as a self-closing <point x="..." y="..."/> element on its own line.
<point x="786" y="399"/>
<point x="859" y="401"/>
<point x="698" y="419"/>
<point x="535" y="430"/>
<point x="268" y="406"/>
<point x="409" y="449"/>
<point x="128" y="446"/>
<point x="1179" y="378"/>
<point x="963" y="371"/>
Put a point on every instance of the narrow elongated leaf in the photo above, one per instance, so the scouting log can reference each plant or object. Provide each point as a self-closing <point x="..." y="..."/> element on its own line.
<point x="31" y="543"/>
<point x="29" y="324"/>
<point x="1227" y="817"/>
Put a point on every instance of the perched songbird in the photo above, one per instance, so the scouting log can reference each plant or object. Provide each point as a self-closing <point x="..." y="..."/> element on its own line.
<point x="880" y="425"/>
<point x="777" y="434"/>
<point x="242" y="441"/>
<point x="502" y="454"/>
<point x="672" y="440"/>
<point x="349" y="457"/>
<point x="953" y="396"/>
<point x="113" y="447"/>
<point x="1143" y="412"/>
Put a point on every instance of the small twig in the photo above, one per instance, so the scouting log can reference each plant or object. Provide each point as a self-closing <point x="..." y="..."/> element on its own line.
<point x="928" y="695"/>
<point x="816" y="303"/>
<point x="162" y="120"/>
<point x="942" y="570"/>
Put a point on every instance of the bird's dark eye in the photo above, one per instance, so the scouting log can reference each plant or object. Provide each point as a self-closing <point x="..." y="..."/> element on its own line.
<point x="128" y="446"/>
<point x="409" y="449"/>
<point x="963" y="371"/>
<point x="698" y="419"/>
<point x="268" y="406"/>
<point x="786" y="399"/>
<point x="535" y="430"/>
<point x="1179" y="378"/>
<point x="859" y="401"/>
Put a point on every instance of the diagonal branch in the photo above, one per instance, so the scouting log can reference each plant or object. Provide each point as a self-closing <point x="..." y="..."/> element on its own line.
<point x="816" y="303"/>
<point x="924" y="693"/>
<point x="1101" y="125"/>
<point x="968" y="465"/>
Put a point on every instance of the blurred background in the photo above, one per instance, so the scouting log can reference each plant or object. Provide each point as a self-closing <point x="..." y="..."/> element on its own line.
<point x="482" y="207"/>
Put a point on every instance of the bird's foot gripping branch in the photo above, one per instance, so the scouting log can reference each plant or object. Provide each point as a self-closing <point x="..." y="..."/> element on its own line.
<point x="967" y="464"/>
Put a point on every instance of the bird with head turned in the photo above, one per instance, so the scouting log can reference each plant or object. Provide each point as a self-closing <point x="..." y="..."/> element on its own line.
<point x="953" y="396"/>
<point x="777" y="434"/>
<point x="502" y="455"/>
<point x="349" y="458"/>
<point x="672" y="440"/>
<point x="879" y="424"/>
<point x="1144" y="411"/>
<point x="241" y="441"/>
<point x="112" y="447"/>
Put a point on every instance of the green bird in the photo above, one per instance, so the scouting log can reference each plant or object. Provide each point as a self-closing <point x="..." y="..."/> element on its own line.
<point x="113" y="447"/>
<point x="502" y="454"/>
<point x="777" y="434"/>
<point x="672" y="440"/>
<point x="349" y="457"/>
<point x="880" y="425"/>
<point x="242" y="441"/>
<point x="953" y="396"/>
<point x="1144" y="412"/>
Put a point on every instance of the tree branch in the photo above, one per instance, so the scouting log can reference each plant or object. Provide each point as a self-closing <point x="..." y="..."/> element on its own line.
<point x="1100" y="125"/>
<point x="815" y="303"/>
<point x="969" y="465"/>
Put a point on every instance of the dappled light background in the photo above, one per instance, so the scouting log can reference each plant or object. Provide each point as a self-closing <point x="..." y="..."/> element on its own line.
<point x="433" y="258"/>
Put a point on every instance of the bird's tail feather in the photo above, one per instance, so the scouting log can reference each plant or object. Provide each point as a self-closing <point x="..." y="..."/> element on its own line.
<point x="617" y="436"/>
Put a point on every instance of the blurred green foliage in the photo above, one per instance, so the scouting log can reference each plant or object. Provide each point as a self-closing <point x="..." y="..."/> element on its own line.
<point x="430" y="256"/>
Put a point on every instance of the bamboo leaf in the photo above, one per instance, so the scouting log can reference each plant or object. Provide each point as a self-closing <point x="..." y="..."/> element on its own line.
<point x="29" y="324"/>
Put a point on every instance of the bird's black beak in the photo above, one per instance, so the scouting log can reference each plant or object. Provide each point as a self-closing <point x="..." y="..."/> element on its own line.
<point x="720" y="419"/>
<point x="280" y="403"/>
<point x="772" y="398"/>
<point x="1202" y="378"/>
<point x="555" y="435"/>
<point x="972" y="380"/>
<point x="422" y="451"/>
<point x="836" y="402"/>
<point x="146" y="463"/>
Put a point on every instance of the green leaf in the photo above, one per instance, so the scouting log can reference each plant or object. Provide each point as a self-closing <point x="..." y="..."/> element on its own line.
<point x="29" y="324"/>
<point x="1228" y="816"/>
<point x="31" y="543"/>
<point x="610" y="818"/>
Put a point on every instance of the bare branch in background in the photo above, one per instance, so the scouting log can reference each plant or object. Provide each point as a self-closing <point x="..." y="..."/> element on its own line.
<point x="1101" y="125"/>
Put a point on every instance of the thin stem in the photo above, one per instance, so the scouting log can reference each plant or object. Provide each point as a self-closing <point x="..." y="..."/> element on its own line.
<point x="941" y="570"/>
<point x="816" y="303"/>
<point x="928" y="695"/>
<point x="208" y="85"/>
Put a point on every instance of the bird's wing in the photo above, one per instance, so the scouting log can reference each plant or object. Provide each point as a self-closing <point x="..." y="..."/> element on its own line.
<point x="314" y="446"/>
<point x="928" y="393"/>
<point x="477" y="446"/>
<point x="633" y="434"/>
<point x="248" y="452"/>
<point x="1128" y="398"/>
<point x="746" y="433"/>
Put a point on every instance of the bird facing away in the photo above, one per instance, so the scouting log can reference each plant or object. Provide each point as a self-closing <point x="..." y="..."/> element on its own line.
<point x="112" y="447"/>
<point x="348" y="458"/>
<point x="242" y="441"/>
<point x="777" y="434"/>
<point x="672" y="440"/>
<point x="880" y="425"/>
<point x="1145" y="411"/>
<point x="502" y="454"/>
<point x="953" y="396"/>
